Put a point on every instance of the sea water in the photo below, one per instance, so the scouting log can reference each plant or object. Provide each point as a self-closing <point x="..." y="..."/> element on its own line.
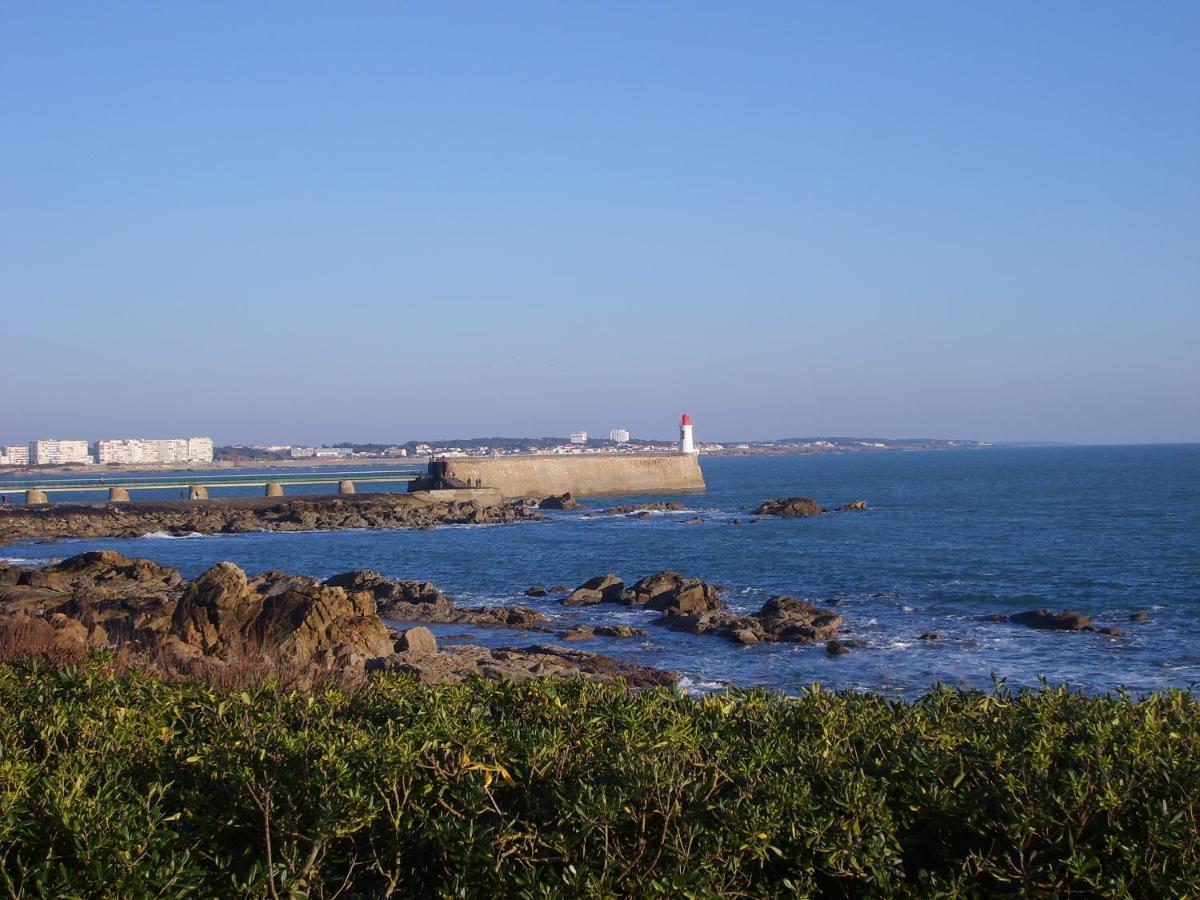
<point x="950" y="538"/>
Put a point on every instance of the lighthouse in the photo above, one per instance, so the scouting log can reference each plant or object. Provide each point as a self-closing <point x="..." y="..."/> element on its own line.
<point x="686" y="444"/>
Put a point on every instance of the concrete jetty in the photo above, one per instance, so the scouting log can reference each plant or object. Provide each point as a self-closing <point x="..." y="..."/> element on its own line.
<point x="583" y="476"/>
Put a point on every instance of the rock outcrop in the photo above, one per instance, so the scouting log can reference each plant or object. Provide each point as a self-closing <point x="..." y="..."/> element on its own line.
<point x="1067" y="620"/>
<point x="222" y="625"/>
<point x="561" y="501"/>
<point x="540" y="661"/>
<point x="672" y="592"/>
<point x="656" y="506"/>
<point x="779" y="619"/>
<point x="587" y="632"/>
<point x="229" y="516"/>
<point x="789" y="508"/>
<point x="420" y="601"/>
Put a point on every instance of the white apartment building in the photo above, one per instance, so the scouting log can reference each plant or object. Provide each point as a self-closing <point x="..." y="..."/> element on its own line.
<point x="49" y="452"/>
<point x="14" y="455"/>
<point x="579" y="437"/>
<point x="619" y="435"/>
<point x="321" y="453"/>
<point x="169" y="450"/>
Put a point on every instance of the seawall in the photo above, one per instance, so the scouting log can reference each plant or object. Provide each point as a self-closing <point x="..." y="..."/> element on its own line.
<point x="583" y="476"/>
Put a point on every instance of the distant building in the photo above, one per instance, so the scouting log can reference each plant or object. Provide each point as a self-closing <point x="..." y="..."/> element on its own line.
<point x="619" y="436"/>
<point x="49" y="452"/>
<point x="155" y="450"/>
<point x="321" y="452"/>
<point x="14" y="455"/>
<point x="579" y="437"/>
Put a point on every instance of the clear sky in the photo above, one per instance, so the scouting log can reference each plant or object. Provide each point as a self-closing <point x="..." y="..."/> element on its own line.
<point x="380" y="221"/>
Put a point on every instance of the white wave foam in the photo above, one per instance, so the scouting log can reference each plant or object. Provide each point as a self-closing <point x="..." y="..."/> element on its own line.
<point x="695" y="688"/>
<point x="167" y="536"/>
<point x="26" y="561"/>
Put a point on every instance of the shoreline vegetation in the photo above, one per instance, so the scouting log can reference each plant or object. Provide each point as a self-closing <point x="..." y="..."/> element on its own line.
<point x="117" y="783"/>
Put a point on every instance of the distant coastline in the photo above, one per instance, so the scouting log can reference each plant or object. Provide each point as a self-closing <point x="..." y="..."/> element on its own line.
<point x="512" y="447"/>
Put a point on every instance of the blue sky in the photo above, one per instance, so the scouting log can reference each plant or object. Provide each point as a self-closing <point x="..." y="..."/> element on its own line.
<point x="383" y="221"/>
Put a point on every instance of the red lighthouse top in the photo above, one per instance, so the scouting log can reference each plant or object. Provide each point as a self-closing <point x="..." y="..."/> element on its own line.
<point x="686" y="420"/>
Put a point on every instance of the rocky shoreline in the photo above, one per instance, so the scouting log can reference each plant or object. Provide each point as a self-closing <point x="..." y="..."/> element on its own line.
<point x="223" y="626"/>
<point x="232" y="516"/>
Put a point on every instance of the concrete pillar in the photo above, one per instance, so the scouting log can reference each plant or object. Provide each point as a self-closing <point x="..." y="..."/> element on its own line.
<point x="118" y="495"/>
<point x="197" y="492"/>
<point x="36" y="496"/>
<point x="345" y="487"/>
<point x="274" y="489"/>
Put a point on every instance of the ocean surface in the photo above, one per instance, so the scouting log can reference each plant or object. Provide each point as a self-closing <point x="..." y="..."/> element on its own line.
<point x="950" y="538"/>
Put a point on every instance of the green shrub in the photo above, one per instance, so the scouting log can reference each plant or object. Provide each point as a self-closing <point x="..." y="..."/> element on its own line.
<point x="122" y="785"/>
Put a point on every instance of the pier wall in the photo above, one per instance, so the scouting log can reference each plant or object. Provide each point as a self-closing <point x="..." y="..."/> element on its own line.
<point x="583" y="476"/>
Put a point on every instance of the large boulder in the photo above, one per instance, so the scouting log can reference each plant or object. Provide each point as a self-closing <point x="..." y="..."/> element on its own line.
<point x="788" y="619"/>
<point x="670" y="591"/>
<point x="790" y="508"/>
<point x="417" y="641"/>
<point x="561" y="501"/>
<point x="287" y="619"/>
<point x="582" y="597"/>
<point x="400" y="599"/>
<point x="609" y="587"/>
<point x="213" y="609"/>
<point x="779" y="619"/>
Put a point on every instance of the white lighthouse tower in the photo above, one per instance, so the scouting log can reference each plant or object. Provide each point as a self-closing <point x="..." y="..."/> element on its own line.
<point x="686" y="444"/>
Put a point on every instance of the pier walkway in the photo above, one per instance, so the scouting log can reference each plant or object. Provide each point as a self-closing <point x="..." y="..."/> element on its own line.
<point x="119" y="488"/>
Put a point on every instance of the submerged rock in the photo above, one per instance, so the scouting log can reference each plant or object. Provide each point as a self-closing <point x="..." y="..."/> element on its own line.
<point x="588" y="632"/>
<point x="853" y="506"/>
<point x="1067" y="620"/>
<point x="657" y="506"/>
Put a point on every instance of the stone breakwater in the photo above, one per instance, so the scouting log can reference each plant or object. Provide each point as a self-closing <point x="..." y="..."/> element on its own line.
<point x="224" y="626"/>
<point x="582" y="476"/>
<point x="128" y="520"/>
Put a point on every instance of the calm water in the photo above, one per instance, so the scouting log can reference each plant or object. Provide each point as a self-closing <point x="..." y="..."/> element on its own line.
<point x="950" y="537"/>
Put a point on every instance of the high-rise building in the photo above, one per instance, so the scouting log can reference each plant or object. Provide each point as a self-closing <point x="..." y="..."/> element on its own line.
<point x="14" y="455"/>
<point x="619" y="435"/>
<point x="50" y="452"/>
<point x="579" y="437"/>
<point x="169" y="450"/>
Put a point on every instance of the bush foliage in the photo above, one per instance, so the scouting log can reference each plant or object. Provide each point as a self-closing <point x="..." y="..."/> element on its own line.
<point x="123" y="785"/>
